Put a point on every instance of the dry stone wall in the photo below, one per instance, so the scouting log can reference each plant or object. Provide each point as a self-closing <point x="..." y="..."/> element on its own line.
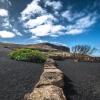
<point x="50" y="84"/>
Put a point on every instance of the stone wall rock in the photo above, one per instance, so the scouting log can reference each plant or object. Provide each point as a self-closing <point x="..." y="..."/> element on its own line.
<point x="49" y="92"/>
<point x="50" y="84"/>
<point x="51" y="77"/>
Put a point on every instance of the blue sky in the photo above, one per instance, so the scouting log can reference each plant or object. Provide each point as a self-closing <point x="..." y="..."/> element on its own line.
<point x="66" y="22"/>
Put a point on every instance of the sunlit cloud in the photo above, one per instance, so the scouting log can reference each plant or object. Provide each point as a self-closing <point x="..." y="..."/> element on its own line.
<point x="56" y="5"/>
<point x="31" y="9"/>
<point x="46" y="24"/>
<point x="31" y="23"/>
<point x="3" y="12"/>
<point x="81" y="24"/>
<point x="37" y="21"/>
<point x="6" y="34"/>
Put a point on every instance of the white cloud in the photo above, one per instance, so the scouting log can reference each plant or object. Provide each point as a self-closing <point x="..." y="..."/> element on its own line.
<point x="57" y="28"/>
<point x="39" y="41"/>
<point x="74" y="31"/>
<point x="6" y="25"/>
<point x="5" y="22"/>
<point x="67" y="14"/>
<point x="71" y="16"/>
<point x="47" y="29"/>
<point x="3" y="12"/>
<point x="34" y="37"/>
<point x="45" y="23"/>
<point x="6" y="34"/>
<point x="16" y="32"/>
<point x="81" y="25"/>
<point x="34" y="40"/>
<point x="59" y="44"/>
<point x="6" y="2"/>
<point x="86" y="21"/>
<point x="39" y="20"/>
<point x="31" y="9"/>
<point x="41" y="30"/>
<point x="4" y="19"/>
<point x="10" y="4"/>
<point x="43" y="26"/>
<point x="54" y="35"/>
<point x="56" y="5"/>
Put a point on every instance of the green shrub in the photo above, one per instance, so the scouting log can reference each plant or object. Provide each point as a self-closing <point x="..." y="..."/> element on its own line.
<point x="28" y="55"/>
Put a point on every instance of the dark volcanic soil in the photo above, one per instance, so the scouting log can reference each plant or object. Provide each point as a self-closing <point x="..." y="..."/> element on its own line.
<point x="16" y="78"/>
<point x="82" y="80"/>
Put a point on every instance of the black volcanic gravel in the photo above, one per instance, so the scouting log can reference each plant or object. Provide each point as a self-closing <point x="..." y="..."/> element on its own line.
<point x="82" y="80"/>
<point x="16" y="78"/>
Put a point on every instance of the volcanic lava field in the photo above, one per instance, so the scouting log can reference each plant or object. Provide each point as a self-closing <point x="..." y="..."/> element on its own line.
<point x="82" y="79"/>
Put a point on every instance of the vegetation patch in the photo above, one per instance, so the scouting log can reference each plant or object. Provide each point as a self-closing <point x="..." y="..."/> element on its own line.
<point x="28" y="55"/>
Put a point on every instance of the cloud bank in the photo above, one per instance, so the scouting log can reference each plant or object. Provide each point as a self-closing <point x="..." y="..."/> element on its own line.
<point x="3" y="12"/>
<point x="46" y="18"/>
<point x="7" y="30"/>
<point x="6" y="34"/>
<point x="40" y="22"/>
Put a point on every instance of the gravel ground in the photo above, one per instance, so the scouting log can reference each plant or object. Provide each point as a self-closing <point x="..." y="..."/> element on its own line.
<point x="82" y="80"/>
<point x="16" y="78"/>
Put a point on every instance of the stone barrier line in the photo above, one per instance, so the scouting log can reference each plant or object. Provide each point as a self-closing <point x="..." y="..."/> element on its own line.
<point x="50" y="84"/>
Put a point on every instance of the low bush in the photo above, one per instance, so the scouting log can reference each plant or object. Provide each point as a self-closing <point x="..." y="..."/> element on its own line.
<point x="28" y="55"/>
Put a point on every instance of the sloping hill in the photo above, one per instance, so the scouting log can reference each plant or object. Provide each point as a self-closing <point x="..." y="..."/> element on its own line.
<point x="40" y="46"/>
<point x="49" y="47"/>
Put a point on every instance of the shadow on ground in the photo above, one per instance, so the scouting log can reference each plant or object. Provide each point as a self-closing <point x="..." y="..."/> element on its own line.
<point x="68" y="88"/>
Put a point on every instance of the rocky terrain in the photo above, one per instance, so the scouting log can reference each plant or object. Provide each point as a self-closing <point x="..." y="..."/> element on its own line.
<point x="40" y="46"/>
<point x="50" y="47"/>
<point x="17" y="78"/>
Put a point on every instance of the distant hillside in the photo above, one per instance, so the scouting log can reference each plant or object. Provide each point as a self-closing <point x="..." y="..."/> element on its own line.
<point x="49" y="47"/>
<point x="10" y="46"/>
<point x="40" y="46"/>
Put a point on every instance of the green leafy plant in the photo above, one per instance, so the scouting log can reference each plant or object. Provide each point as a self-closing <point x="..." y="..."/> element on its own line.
<point x="28" y="55"/>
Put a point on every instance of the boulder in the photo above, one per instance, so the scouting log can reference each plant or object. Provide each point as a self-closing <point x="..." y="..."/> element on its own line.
<point x="51" y="77"/>
<point x="50" y="64"/>
<point x="50" y="92"/>
<point x="50" y="61"/>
